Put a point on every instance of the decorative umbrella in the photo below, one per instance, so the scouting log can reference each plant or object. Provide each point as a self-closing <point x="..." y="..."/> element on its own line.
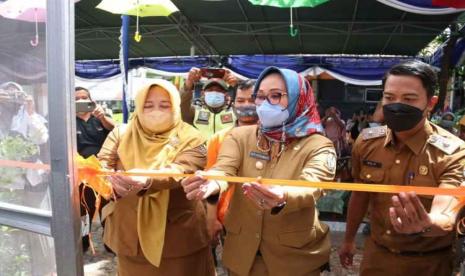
<point x="31" y="11"/>
<point x="289" y="4"/>
<point x="138" y="8"/>
<point x="26" y="10"/>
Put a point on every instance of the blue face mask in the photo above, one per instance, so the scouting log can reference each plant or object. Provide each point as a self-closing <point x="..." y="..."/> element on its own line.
<point x="271" y="115"/>
<point x="214" y="99"/>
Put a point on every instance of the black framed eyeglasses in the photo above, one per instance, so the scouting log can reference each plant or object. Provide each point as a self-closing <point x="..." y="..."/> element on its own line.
<point x="273" y="97"/>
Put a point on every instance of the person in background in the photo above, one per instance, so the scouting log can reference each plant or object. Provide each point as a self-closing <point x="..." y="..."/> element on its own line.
<point x="447" y="122"/>
<point x="92" y="129"/>
<point x="152" y="227"/>
<point x="334" y="128"/>
<point x="274" y="229"/>
<point x="23" y="131"/>
<point x="214" y="112"/>
<point x="410" y="234"/>
<point x="357" y="124"/>
<point x="375" y="116"/>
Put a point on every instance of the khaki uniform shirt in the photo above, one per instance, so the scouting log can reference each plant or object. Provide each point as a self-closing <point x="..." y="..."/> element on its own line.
<point x="292" y="242"/>
<point x="186" y="231"/>
<point x="432" y="157"/>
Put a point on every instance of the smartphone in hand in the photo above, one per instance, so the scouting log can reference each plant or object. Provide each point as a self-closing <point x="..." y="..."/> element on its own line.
<point x="210" y="73"/>
<point x="83" y="107"/>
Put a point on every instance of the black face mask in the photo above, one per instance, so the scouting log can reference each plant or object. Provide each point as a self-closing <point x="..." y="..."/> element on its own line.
<point x="401" y="117"/>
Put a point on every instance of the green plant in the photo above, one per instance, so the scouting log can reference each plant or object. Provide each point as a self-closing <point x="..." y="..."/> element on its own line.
<point x="18" y="149"/>
<point x="14" y="253"/>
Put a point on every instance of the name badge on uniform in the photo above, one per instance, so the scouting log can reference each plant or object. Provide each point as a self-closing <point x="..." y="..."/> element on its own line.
<point x="226" y="118"/>
<point x="259" y="155"/>
<point x="372" y="164"/>
<point x="203" y="117"/>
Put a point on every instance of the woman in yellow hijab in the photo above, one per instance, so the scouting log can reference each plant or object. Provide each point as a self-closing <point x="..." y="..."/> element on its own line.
<point x="151" y="226"/>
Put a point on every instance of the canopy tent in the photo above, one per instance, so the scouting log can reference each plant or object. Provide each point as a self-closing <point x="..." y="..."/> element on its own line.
<point x="221" y="28"/>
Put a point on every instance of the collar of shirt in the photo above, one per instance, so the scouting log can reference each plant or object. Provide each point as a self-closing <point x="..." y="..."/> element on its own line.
<point x="416" y="142"/>
<point x="90" y="118"/>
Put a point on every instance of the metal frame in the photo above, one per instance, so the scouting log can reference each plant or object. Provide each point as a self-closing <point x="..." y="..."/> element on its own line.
<point x="260" y="28"/>
<point x="64" y="191"/>
<point x="63" y="222"/>
<point x="192" y="33"/>
<point x="26" y="218"/>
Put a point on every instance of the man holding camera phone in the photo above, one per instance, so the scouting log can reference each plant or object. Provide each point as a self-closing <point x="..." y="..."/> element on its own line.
<point x="92" y="128"/>
<point x="215" y="112"/>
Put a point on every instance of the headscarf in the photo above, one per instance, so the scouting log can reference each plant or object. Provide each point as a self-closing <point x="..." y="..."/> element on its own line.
<point x="447" y="124"/>
<point x="304" y="119"/>
<point x="144" y="150"/>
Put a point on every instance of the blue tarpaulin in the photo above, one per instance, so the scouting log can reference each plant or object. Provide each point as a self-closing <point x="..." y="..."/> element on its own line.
<point x="103" y="69"/>
<point x="362" y="68"/>
<point x="459" y="51"/>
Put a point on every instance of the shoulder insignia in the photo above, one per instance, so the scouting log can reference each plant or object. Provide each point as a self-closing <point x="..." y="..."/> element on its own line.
<point x="445" y="144"/>
<point x="226" y="118"/>
<point x="374" y="132"/>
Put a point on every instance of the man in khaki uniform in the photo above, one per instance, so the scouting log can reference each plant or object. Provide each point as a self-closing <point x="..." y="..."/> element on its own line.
<point x="410" y="234"/>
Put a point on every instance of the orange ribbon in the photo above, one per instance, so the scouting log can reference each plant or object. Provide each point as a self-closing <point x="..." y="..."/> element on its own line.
<point x="24" y="165"/>
<point x="358" y="187"/>
<point x="90" y="172"/>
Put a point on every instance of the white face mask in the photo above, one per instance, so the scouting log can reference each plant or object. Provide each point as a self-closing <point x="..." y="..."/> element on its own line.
<point x="272" y="115"/>
<point x="214" y="99"/>
<point x="156" y="121"/>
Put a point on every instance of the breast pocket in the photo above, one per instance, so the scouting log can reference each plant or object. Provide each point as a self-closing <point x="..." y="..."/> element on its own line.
<point x="371" y="175"/>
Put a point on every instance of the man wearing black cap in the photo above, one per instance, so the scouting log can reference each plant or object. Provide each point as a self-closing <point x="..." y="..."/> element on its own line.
<point x="215" y="112"/>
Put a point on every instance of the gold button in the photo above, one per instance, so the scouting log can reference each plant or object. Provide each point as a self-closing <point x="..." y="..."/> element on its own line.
<point x="257" y="235"/>
<point x="368" y="176"/>
<point x="397" y="161"/>
<point x="259" y="165"/>
<point x="388" y="232"/>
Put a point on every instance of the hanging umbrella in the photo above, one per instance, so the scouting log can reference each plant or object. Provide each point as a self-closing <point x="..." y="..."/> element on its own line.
<point x="289" y="4"/>
<point x="31" y="11"/>
<point x="138" y="8"/>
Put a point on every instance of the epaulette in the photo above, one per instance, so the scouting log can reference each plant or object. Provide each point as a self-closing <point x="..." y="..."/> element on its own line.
<point x="374" y="132"/>
<point x="445" y="144"/>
